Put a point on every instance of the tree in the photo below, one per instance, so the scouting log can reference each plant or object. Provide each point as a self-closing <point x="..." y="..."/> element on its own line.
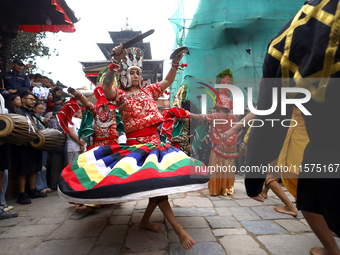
<point x="29" y="46"/>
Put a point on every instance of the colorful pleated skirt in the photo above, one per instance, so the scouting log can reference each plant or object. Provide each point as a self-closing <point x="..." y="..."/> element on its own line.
<point x="121" y="173"/>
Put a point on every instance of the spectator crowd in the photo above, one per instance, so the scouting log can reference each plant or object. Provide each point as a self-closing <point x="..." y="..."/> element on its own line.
<point x="39" y="99"/>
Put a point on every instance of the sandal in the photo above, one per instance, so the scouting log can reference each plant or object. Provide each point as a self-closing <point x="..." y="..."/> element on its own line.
<point x="46" y="190"/>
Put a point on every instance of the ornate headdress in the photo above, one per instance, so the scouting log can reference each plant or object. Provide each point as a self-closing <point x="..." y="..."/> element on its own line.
<point x="134" y="59"/>
<point x="225" y="77"/>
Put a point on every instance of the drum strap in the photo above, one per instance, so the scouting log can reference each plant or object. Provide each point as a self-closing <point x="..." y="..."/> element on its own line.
<point x="31" y="127"/>
<point x="38" y="119"/>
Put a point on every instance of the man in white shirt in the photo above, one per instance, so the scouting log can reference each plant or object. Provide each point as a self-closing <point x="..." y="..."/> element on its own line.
<point x="74" y="146"/>
<point x="40" y="89"/>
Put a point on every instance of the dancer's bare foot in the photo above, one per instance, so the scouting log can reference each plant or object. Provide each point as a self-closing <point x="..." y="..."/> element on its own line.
<point x="286" y="210"/>
<point x="264" y="195"/>
<point x="259" y="198"/>
<point x="264" y="192"/>
<point x="318" y="251"/>
<point x="83" y="209"/>
<point x="186" y="241"/>
<point x="150" y="226"/>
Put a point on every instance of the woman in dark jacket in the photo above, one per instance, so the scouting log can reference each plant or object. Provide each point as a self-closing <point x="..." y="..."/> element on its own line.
<point x="57" y="99"/>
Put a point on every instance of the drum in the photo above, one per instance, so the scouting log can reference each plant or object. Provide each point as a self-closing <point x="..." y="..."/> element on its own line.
<point x="15" y="128"/>
<point x="49" y="140"/>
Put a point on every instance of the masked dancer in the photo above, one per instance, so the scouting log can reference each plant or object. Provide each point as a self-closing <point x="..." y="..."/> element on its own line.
<point x="143" y="168"/>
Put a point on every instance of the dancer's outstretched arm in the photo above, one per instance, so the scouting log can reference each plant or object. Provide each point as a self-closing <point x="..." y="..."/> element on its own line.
<point x="109" y="90"/>
<point x="169" y="79"/>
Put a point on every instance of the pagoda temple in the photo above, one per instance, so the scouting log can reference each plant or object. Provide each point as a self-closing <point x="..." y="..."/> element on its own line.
<point x="152" y="69"/>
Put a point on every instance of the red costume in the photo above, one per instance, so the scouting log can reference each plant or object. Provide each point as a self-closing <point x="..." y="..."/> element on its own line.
<point x="140" y="114"/>
<point x="105" y="125"/>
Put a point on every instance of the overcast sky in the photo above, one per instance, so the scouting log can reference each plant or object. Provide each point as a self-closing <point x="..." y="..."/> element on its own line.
<point x="99" y="17"/>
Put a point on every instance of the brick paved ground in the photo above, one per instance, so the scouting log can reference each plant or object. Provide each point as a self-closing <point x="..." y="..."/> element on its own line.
<point x="220" y="225"/>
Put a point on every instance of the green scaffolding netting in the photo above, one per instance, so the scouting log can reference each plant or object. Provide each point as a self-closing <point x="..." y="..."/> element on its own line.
<point x="217" y="34"/>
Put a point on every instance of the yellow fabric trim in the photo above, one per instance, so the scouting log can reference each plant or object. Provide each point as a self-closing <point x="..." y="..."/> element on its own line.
<point x="329" y="67"/>
<point x="168" y="162"/>
<point x="82" y="161"/>
<point x="322" y="16"/>
<point x="286" y="65"/>
<point x="246" y="137"/>
<point x="335" y="68"/>
<point x="329" y="56"/>
<point x="275" y="53"/>
<point x="296" y="23"/>
<point x="93" y="173"/>
<point x="296" y="140"/>
<point x="126" y="167"/>
<point x="90" y="169"/>
<point x="290" y="183"/>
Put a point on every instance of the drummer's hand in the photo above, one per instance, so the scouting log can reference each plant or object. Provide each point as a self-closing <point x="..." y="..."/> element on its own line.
<point x="46" y="121"/>
<point x="120" y="52"/>
<point x="179" y="56"/>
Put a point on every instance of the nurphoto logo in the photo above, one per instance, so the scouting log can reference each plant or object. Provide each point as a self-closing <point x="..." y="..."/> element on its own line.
<point x="238" y="105"/>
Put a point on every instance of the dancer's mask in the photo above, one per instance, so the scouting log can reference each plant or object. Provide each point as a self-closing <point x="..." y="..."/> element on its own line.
<point x="134" y="59"/>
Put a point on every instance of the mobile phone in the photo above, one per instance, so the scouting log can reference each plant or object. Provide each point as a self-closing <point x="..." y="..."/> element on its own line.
<point x="38" y="84"/>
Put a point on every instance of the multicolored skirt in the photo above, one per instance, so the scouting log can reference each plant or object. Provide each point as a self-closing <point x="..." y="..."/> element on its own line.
<point x="121" y="173"/>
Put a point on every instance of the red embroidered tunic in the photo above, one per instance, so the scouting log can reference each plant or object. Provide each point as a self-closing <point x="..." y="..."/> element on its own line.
<point x="106" y="135"/>
<point x="229" y="148"/>
<point x="139" y="111"/>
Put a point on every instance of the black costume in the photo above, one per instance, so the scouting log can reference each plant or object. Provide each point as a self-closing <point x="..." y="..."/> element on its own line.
<point x="307" y="54"/>
<point x="28" y="159"/>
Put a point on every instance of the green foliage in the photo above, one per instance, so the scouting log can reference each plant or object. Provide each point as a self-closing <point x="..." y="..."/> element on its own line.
<point x="185" y="91"/>
<point x="221" y="75"/>
<point x="100" y="74"/>
<point x="29" y="46"/>
<point x="103" y="72"/>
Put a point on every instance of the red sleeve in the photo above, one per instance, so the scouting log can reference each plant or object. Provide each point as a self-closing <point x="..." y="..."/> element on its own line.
<point x="155" y="90"/>
<point x="211" y="117"/>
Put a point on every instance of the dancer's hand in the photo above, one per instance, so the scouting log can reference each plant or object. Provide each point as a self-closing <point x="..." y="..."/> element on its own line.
<point x="225" y="136"/>
<point x="120" y="52"/>
<point x="178" y="57"/>
<point x="73" y="91"/>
